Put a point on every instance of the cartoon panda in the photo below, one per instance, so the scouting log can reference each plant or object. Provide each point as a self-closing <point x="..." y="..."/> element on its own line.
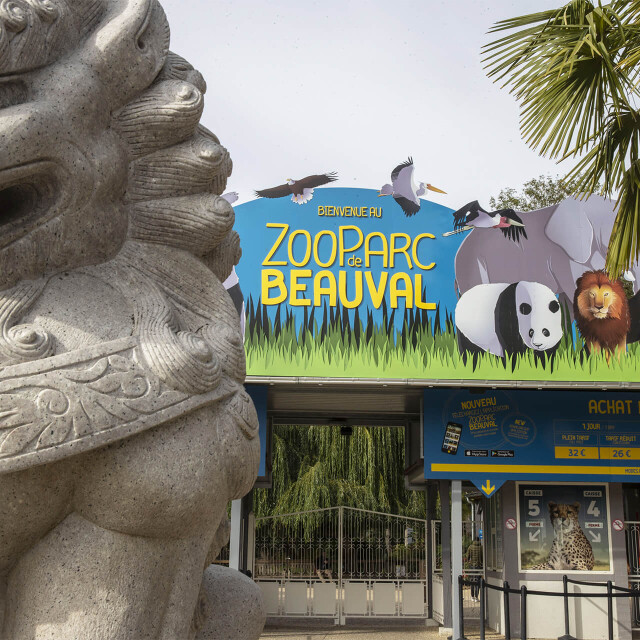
<point x="507" y="319"/>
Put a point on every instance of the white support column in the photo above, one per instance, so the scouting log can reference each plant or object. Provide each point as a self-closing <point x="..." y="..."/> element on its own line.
<point x="456" y="553"/>
<point x="235" y="539"/>
<point x="251" y="545"/>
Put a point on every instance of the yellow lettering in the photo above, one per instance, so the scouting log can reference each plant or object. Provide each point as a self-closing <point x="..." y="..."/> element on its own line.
<point x="593" y="406"/>
<point x="376" y="293"/>
<point x="275" y="263"/>
<point x="334" y="248"/>
<point x="298" y="287"/>
<point x="342" y="288"/>
<point x="319" y="290"/>
<point x="406" y="293"/>
<point x="428" y="306"/>
<point x="404" y="249"/>
<point x="414" y="251"/>
<point x="343" y="250"/>
<point x="272" y="278"/>
<point x="368" y="251"/>
<point x="307" y="253"/>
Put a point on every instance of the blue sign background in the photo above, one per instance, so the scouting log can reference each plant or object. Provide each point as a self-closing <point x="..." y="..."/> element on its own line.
<point x="532" y="435"/>
<point x="252" y="218"/>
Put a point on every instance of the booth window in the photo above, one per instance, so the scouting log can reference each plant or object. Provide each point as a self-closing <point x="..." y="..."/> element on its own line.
<point x="493" y="528"/>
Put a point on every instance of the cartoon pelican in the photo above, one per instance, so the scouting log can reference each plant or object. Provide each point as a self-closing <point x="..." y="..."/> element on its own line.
<point x="404" y="190"/>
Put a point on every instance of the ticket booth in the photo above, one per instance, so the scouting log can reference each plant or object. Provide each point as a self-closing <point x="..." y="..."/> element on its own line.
<point x="557" y="471"/>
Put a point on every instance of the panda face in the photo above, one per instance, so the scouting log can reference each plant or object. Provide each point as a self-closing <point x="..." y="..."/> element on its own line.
<point x="539" y="316"/>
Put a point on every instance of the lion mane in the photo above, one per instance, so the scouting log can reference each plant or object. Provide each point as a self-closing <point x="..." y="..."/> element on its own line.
<point x="601" y="311"/>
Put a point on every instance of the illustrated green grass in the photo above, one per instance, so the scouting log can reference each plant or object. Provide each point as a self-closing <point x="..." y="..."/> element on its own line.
<point x="328" y="342"/>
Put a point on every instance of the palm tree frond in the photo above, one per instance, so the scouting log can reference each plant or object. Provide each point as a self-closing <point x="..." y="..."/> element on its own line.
<point x="624" y="245"/>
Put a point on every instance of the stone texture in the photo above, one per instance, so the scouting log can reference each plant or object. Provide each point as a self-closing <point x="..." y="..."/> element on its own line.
<point x="231" y="606"/>
<point x="124" y="426"/>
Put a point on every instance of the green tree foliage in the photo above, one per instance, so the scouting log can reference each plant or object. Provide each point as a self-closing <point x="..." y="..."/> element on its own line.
<point x="537" y="193"/>
<point x="316" y="467"/>
<point x="574" y="72"/>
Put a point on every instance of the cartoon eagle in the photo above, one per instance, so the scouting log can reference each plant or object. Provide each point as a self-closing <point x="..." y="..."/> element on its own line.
<point x="404" y="190"/>
<point x="301" y="190"/>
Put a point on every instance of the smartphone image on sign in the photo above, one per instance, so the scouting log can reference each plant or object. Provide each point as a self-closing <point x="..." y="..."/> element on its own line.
<point x="451" y="438"/>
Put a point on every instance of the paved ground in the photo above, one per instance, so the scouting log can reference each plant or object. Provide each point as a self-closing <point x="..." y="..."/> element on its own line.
<point x="350" y="633"/>
<point x="358" y="632"/>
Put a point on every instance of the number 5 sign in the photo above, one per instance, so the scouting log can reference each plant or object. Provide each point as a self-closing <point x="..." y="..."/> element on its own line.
<point x="542" y="506"/>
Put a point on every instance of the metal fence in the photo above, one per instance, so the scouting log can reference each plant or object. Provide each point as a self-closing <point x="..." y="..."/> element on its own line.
<point x="341" y="562"/>
<point x="612" y="592"/>
<point x="471" y="530"/>
<point x="632" y="538"/>
<point x="472" y="564"/>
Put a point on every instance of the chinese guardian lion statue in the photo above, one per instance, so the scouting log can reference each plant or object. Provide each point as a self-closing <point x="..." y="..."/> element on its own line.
<point x="124" y="426"/>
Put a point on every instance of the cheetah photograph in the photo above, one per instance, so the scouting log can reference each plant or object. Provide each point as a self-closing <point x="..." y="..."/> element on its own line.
<point x="564" y="528"/>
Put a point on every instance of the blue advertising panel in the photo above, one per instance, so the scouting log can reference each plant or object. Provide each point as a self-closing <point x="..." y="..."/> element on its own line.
<point x="491" y="436"/>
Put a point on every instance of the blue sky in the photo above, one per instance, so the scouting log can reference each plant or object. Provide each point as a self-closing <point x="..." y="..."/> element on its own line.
<point x="306" y="87"/>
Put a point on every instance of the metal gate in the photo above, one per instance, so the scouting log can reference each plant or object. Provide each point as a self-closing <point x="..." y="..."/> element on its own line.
<point x="341" y="563"/>
<point x="632" y="537"/>
<point x="472" y="566"/>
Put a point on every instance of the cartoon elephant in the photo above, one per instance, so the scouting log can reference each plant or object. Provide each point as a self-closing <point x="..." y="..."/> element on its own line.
<point x="554" y="247"/>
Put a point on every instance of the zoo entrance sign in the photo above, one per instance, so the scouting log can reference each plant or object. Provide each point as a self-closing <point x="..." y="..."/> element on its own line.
<point x="346" y="284"/>
<point x="499" y="435"/>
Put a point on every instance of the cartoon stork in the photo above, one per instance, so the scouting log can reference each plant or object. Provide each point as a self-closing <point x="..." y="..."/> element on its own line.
<point x="473" y="216"/>
<point x="301" y="191"/>
<point x="404" y="190"/>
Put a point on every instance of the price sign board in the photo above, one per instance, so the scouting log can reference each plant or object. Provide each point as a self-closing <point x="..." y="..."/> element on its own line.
<point x="532" y="435"/>
<point x="563" y="527"/>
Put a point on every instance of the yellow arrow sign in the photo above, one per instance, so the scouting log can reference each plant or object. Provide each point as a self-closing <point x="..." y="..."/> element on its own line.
<point x="488" y="488"/>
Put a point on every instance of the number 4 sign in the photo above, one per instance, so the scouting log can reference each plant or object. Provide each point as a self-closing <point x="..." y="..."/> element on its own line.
<point x="541" y="506"/>
<point x="592" y="510"/>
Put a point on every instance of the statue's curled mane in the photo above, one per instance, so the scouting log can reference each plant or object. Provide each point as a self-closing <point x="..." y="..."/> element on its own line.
<point x="114" y="178"/>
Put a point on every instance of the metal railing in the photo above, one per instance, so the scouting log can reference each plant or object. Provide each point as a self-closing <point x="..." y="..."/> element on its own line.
<point x="353" y="543"/>
<point x="471" y="529"/>
<point x="342" y="562"/>
<point x="632" y="539"/>
<point x="612" y="592"/>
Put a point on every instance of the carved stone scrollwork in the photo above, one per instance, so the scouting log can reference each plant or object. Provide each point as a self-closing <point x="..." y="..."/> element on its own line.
<point x="22" y="342"/>
<point x="75" y="403"/>
<point x="82" y="400"/>
<point x="123" y="438"/>
<point x="183" y="359"/>
<point x="14" y="14"/>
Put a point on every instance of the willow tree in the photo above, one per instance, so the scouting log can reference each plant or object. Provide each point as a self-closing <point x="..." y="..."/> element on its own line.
<point x="317" y="467"/>
<point x="574" y="72"/>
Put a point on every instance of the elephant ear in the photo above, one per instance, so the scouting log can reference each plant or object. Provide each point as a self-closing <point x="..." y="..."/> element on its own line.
<point x="570" y="228"/>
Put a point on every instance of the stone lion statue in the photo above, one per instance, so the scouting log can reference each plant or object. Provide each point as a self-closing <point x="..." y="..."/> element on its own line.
<point x="124" y="426"/>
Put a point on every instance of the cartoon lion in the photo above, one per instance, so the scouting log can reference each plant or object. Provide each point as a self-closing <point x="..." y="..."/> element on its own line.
<point x="602" y="314"/>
